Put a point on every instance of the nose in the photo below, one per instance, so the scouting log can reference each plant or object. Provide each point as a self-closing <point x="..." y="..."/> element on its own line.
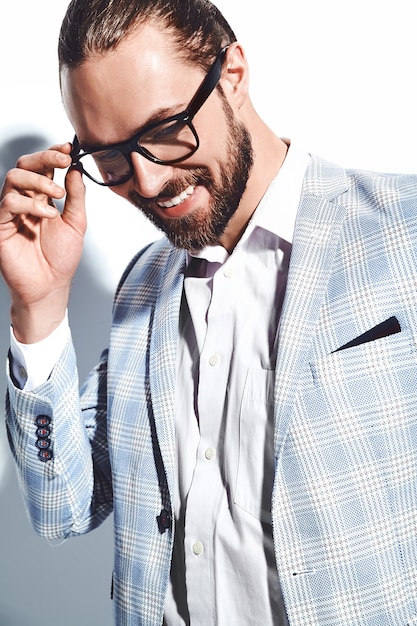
<point x="149" y="178"/>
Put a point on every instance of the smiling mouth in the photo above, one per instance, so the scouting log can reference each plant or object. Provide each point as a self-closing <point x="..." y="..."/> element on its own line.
<point x="179" y="199"/>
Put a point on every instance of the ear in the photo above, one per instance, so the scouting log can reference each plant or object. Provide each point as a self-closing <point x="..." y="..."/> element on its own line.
<point x="235" y="78"/>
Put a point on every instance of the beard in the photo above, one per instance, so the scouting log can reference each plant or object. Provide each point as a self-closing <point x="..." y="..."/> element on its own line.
<point x="204" y="227"/>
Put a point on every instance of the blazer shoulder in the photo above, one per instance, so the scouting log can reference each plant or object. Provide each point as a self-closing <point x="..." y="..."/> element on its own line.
<point x="150" y="266"/>
<point x="404" y="185"/>
<point x="392" y="195"/>
<point x="329" y="180"/>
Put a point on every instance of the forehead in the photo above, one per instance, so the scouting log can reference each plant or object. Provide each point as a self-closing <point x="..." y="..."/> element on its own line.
<point x="110" y="96"/>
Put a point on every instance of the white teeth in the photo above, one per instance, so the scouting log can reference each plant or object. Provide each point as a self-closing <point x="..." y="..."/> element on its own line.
<point x="177" y="199"/>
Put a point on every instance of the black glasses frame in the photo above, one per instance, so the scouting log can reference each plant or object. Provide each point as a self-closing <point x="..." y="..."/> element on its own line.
<point x="132" y="145"/>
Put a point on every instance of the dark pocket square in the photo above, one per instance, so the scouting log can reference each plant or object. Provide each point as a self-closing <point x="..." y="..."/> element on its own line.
<point x="391" y="326"/>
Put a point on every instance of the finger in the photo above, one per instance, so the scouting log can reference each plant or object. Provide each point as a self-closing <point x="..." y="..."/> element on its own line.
<point x="44" y="162"/>
<point x="65" y="148"/>
<point x="31" y="184"/>
<point x="14" y="204"/>
<point x="74" y="208"/>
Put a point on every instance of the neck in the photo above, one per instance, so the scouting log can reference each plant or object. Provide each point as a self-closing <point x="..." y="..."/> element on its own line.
<point x="269" y="155"/>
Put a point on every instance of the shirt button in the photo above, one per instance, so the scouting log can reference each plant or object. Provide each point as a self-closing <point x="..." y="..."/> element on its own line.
<point x="210" y="453"/>
<point x="23" y="373"/>
<point x="228" y="272"/>
<point x="214" y="359"/>
<point x="198" y="548"/>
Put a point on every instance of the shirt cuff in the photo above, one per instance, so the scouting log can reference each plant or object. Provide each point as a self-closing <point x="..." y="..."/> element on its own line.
<point x="33" y="363"/>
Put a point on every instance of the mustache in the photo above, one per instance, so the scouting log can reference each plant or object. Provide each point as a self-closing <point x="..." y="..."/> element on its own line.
<point x="197" y="176"/>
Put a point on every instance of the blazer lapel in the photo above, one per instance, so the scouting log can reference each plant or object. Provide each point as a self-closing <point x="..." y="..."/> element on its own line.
<point x="162" y="360"/>
<point x="317" y="230"/>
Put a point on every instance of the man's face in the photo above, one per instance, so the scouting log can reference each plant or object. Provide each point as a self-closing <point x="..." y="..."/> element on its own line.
<point x="111" y="97"/>
<point x="202" y="224"/>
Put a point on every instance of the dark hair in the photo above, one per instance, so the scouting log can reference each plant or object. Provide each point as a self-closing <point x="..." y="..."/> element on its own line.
<point x="92" y="27"/>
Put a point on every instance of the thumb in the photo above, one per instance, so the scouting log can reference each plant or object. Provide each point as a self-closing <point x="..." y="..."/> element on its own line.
<point x="74" y="212"/>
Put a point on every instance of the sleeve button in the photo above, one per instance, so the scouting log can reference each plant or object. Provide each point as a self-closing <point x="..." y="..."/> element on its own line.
<point x="45" y="455"/>
<point x="43" y="420"/>
<point x="43" y="432"/>
<point x="43" y="444"/>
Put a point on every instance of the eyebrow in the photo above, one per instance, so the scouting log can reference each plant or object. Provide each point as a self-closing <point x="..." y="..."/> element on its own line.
<point x="159" y="116"/>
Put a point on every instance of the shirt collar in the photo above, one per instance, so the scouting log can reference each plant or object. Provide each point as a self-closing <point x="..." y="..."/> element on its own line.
<point x="278" y="208"/>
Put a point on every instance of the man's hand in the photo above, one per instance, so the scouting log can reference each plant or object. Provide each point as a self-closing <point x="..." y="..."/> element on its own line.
<point x="39" y="248"/>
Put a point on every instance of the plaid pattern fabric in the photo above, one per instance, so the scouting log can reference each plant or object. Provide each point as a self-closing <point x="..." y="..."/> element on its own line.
<point x="345" y="496"/>
<point x="103" y="453"/>
<point x="344" y="504"/>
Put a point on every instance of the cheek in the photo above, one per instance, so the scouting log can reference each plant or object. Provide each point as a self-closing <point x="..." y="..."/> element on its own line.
<point x="209" y="158"/>
<point x="213" y="132"/>
<point x="210" y="148"/>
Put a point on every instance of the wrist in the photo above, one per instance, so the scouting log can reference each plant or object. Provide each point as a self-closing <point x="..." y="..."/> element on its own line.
<point x="34" y="322"/>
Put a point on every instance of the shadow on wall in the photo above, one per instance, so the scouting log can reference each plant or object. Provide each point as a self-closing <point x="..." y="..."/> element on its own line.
<point x="13" y="147"/>
<point x="67" y="584"/>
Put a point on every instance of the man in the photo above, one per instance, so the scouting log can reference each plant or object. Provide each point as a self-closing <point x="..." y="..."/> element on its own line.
<point x="253" y="422"/>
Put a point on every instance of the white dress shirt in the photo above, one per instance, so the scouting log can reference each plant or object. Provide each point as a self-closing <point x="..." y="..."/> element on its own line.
<point x="224" y="568"/>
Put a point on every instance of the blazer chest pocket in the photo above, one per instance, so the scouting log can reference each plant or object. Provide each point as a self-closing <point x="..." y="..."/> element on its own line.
<point x="384" y="368"/>
<point x="388" y="327"/>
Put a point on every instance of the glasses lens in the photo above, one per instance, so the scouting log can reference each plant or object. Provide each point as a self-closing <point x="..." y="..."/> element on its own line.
<point x="169" y="141"/>
<point x="106" y="166"/>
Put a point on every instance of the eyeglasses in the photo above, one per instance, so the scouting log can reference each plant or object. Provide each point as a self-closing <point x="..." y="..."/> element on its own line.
<point x="165" y="142"/>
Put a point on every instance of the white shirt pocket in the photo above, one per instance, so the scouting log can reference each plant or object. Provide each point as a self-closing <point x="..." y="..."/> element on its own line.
<point x="255" y="473"/>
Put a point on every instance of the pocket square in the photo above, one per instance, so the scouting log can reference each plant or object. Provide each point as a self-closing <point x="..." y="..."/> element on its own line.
<point x="391" y="326"/>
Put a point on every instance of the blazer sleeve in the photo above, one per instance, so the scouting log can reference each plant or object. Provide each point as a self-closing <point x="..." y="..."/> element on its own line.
<point x="58" y="437"/>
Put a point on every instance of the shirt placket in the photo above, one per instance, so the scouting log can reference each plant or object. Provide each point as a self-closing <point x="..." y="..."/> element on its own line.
<point x="207" y="488"/>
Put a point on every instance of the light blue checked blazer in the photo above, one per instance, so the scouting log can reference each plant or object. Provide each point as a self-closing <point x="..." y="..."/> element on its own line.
<point x="344" y="504"/>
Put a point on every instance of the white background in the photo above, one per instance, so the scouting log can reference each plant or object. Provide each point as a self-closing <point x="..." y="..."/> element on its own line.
<point x="337" y="76"/>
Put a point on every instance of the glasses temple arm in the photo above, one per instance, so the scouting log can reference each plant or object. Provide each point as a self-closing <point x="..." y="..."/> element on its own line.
<point x="209" y="83"/>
